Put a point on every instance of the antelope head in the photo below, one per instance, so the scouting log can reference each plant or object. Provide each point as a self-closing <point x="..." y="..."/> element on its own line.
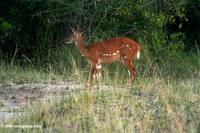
<point x="73" y="37"/>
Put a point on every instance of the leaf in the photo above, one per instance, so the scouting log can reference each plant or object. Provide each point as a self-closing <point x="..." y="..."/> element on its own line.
<point x="5" y="26"/>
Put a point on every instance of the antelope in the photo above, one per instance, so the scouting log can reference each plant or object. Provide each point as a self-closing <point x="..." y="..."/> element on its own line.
<point x="115" y="49"/>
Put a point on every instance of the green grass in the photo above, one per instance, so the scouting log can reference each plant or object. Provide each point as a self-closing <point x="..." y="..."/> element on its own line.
<point x="165" y="97"/>
<point x="152" y="106"/>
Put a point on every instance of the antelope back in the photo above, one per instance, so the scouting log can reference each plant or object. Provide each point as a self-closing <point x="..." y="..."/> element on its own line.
<point x="114" y="49"/>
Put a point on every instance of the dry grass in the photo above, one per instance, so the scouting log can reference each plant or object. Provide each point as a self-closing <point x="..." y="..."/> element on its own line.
<point x="163" y="98"/>
<point x="157" y="106"/>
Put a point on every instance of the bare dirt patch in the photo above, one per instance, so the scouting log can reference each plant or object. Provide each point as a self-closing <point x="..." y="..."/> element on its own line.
<point x="15" y="96"/>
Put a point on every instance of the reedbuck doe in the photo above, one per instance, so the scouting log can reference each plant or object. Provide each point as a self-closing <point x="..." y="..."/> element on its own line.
<point x="115" y="49"/>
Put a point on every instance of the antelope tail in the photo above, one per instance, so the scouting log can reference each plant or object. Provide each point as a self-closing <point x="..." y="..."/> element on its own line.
<point x="138" y="54"/>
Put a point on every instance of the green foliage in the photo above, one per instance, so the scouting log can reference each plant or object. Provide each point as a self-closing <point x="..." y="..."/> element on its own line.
<point x="36" y="29"/>
<point x="192" y="26"/>
<point x="5" y="26"/>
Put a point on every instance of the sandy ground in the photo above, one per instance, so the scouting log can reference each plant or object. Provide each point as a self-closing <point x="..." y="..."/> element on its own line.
<point x="15" y="96"/>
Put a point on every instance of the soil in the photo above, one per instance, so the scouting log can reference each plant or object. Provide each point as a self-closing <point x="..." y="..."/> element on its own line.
<point x="15" y="96"/>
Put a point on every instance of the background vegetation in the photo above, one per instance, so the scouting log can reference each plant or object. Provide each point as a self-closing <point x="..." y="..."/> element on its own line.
<point x="36" y="29"/>
<point x="165" y="96"/>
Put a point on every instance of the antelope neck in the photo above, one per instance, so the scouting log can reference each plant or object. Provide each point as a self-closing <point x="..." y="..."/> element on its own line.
<point x="81" y="46"/>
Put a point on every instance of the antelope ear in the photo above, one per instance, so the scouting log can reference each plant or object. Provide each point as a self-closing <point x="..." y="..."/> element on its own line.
<point x="72" y="30"/>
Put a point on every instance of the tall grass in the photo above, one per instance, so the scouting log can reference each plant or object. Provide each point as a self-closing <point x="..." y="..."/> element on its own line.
<point x="164" y="97"/>
<point x="152" y="105"/>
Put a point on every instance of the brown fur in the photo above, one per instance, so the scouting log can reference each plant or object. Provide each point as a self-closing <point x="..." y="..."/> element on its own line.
<point x="108" y="51"/>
